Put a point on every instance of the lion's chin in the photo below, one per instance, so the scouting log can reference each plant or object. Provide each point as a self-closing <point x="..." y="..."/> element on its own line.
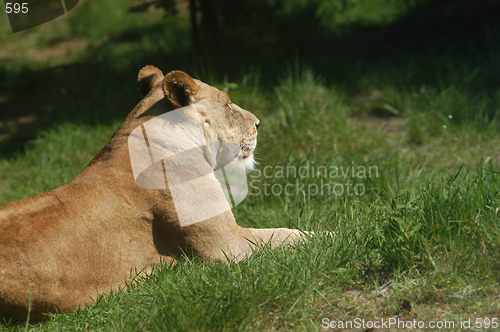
<point x="249" y="163"/>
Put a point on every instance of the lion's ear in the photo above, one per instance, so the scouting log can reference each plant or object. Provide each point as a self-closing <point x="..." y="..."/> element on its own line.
<point x="179" y="88"/>
<point x="148" y="77"/>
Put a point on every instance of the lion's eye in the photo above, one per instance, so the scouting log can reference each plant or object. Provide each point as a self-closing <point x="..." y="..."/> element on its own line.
<point x="230" y="107"/>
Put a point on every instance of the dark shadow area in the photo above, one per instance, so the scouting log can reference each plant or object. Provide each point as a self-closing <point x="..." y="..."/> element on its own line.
<point x="422" y="48"/>
<point x="92" y="93"/>
<point x="443" y="25"/>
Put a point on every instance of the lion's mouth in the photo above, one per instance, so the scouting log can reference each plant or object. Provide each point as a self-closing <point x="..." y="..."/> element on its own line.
<point x="246" y="156"/>
<point x="246" y="150"/>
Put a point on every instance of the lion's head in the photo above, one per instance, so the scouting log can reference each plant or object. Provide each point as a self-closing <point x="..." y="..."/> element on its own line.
<point x="220" y="120"/>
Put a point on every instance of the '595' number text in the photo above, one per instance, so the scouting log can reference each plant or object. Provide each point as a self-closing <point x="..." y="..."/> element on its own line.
<point x="16" y="8"/>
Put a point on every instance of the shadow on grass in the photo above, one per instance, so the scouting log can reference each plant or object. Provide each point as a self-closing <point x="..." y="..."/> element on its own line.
<point x="437" y="44"/>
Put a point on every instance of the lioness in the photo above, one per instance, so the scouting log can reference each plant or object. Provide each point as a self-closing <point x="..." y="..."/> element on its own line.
<point x="61" y="248"/>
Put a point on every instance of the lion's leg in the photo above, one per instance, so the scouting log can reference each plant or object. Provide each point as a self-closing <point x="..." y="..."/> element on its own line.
<point x="220" y="238"/>
<point x="255" y="238"/>
<point x="274" y="236"/>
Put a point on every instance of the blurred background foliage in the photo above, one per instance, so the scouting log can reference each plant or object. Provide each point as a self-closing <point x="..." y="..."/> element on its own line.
<point x="82" y="66"/>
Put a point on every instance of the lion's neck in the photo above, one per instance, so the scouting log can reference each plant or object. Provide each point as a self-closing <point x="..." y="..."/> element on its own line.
<point x="115" y="153"/>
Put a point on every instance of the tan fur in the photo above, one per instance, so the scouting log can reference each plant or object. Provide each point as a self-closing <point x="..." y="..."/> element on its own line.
<point x="63" y="247"/>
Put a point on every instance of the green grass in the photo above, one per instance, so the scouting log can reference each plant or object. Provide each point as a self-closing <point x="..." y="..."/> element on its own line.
<point x="421" y="241"/>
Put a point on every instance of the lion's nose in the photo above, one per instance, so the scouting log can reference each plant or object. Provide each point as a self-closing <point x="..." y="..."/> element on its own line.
<point x="257" y="125"/>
